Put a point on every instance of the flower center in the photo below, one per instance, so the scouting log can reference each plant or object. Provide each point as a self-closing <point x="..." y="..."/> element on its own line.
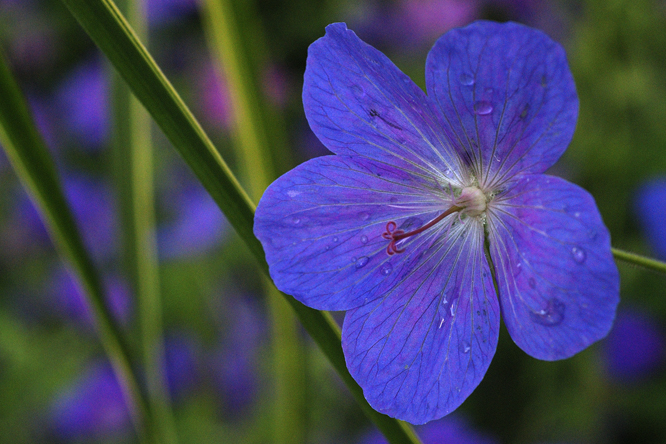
<point x="472" y="202"/>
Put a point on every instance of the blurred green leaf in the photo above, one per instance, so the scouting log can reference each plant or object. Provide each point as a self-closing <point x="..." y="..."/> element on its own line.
<point x="36" y="170"/>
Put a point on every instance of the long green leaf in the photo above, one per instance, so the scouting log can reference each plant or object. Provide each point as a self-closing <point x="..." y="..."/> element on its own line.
<point x="36" y="169"/>
<point x="110" y="31"/>
<point x="134" y="170"/>
<point x="236" y="58"/>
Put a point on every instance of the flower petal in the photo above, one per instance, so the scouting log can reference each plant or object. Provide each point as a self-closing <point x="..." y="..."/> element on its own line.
<point x="558" y="283"/>
<point x="420" y="350"/>
<point x="507" y="95"/>
<point x="359" y="103"/>
<point x="321" y="226"/>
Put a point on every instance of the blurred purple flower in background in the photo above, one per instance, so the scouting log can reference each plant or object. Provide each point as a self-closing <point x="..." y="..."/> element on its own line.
<point x="82" y="101"/>
<point x="182" y="356"/>
<point x="449" y="430"/>
<point x="195" y="225"/>
<point x="91" y="202"/>
<point x="92" y="407"/>
<point x="635" y="348"/>
<point x="421" y="22"/>
<point x="213" y="99"/>
<point x="411" y="24"/>
<point x="64" y="297"/>
<point x="650" y="205"/>
<point x="165" y="12"/>
<point x="234" y="365"/>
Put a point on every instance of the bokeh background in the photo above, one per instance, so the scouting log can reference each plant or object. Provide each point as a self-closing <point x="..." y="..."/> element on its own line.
<point x="56" y="386"/>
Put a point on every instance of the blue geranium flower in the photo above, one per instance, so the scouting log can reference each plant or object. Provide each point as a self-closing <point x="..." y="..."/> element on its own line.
<point x="428" y="197"/>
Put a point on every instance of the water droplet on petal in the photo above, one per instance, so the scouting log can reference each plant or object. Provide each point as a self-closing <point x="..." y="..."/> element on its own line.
<point x="362" y="261"/>
<point x="386" y="269"/>
<point x="532" y="282"/>
<point x="550" y="316"/>
<point x="296" y="220"/>
<point x="577" y="214"/>
<point x="465" y="347"/>
<point x="453" y="310"/>
<point x="335" y="239"/>
<point x="364" y="216"/>
<point x="483" y="108"/>
<point x="447" y="172"/>
<point x="579" y="254"/>
<point x="364" y="239"/>
<point x="592" y="234"/>
<point x="466" y="79"/>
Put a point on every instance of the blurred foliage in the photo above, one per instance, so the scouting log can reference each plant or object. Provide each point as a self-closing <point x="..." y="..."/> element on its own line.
<point x="617" y="52"/>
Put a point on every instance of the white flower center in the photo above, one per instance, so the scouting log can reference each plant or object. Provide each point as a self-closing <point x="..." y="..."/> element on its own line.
<point x="472" y="201"/>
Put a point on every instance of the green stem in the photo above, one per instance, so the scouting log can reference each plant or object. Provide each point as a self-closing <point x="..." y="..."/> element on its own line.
<point x="36" y="170"/>
<point x="641" y="261"/>
<point x="223" y="22"/>
<point x="134" y="147"/>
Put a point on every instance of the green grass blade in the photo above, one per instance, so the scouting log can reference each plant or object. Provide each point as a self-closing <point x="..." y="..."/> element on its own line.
<point x="134" y="171"/>
<point x="236" y="57"/>
<point x="110" y="31"/>
<point x="36" y="170"/>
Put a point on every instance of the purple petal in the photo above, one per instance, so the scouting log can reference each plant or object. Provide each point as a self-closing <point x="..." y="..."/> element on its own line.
<point x="651" y="212"/>
<point x="507" y="95"/>
<point x="359" y="103"/>
<point x="420" y="349"/>
<point x="559" y="286"/>
<point x="321" y="226"/>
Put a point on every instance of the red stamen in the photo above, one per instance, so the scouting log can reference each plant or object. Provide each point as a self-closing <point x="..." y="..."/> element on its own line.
<point x="397" y="235"/>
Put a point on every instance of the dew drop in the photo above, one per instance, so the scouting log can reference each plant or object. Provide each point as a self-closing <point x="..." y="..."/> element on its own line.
<point x="550" y="316"/>
<point x="592" y="234"/>
<point x="447" y="172"/>
<point x="577" y="214"/>
<point x="335" y="239"/>
<point x="362" y="261"/>
<point x="466" y="79"/>
<point x="364" y="216"/>
<point x="364" y="239"/>
<point x="579" y="254"/>
<point x="483" y="108"/>
<point x="296" y="220"/>
<point x="441" y="322"/>
<point x="465" y="347"/>
<point x="532" y="282"/>
<point x="386" y="269"/>
<point x="453" y="310"/>
<point x="354" y="259"/>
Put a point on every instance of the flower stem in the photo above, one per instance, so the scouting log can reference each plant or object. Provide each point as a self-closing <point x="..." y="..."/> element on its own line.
<point x="230" y="35"/>
<point x="641" y="261"/>
<point x="134" y="160"/>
